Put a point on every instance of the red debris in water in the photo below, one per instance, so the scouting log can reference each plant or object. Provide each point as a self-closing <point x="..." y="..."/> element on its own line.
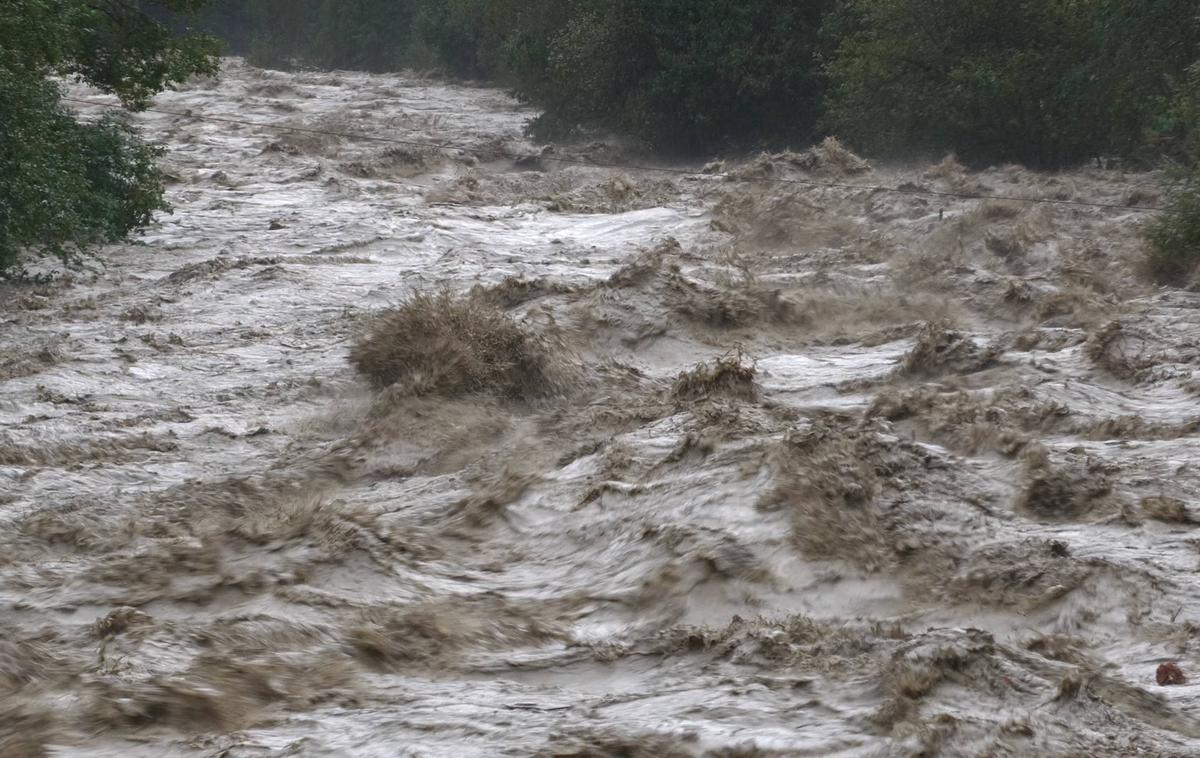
<point x="1169" y="673"/>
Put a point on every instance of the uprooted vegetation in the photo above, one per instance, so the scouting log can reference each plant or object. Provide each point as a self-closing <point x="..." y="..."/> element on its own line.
<point x="721" y="305"/>
<point x="780" y="219"/>
<point x="1068" y="490"/>
<point x="1124" y="352"/>
<point x="557" y="192"/>
<point x="727" y="376"/>
<point x="513" y="291"/>
<point x="16" y="363"/>
<point x="1003" y="420"/>
<point x="828" y="159"/>
<point x="939" y="349"/>
<point x="724" y="307"/>
<point x="452" y="345"/>
<point x="830" y="477"/>
<point x="436" y="632"/>
<point x="719" y="290"/>
<point x="1023" y="575"/>
<point x="392" y="162"/>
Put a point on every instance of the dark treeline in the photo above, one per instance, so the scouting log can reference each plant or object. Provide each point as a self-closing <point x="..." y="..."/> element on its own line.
<point x="1047" y="83"/>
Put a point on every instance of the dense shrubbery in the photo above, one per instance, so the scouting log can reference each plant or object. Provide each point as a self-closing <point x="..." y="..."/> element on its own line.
<point x="65" y="184"/>
<point x="680" y="75"/>
<point x="1174" y="235"/>
<point x="1175" y="129"/>
<point x="1041" y="82"/>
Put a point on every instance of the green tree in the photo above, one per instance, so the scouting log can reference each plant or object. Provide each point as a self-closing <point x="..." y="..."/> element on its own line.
<point x="67" y="184"/>
<point x="681" y="75"/>
<point x="1173" y="252"/>
<point x="1042" y="82"/>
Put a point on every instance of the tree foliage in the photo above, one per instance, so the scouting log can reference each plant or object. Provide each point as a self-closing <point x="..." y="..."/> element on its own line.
<point x="681" y="75"/>
<point x="1173" y="236"/>
<point x="67" y="184"/>
<point x="1042" y="82"/>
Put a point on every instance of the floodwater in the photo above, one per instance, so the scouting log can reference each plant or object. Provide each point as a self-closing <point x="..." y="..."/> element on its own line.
<point x="934" y="496"/>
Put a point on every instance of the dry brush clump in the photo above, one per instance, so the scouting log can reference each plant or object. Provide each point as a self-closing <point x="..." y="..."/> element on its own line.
<point x="732" y="307"/>
<point x="393" y="161"/>
<point x="1124" y="352"/>
<point x="1063" y="491"/>
<point x="456" y="345"/>
<point x="727" y="376"/>
<point x="1004" y="420"/>
<point x="436" y="633"/>
<point x="513" y="291"/>
<point x="829" y="159"/>
<point x="939" y="350"/>
<point x="830" y="479"/>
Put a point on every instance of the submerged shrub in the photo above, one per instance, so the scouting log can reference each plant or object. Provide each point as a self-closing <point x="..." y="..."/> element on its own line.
<point x="1173" y="237"/>
<point x="449" y="345"/>
<point x="729" y="375"/>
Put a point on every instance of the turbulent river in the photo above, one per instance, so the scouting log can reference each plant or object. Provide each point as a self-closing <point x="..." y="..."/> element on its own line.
<point x="833" y="471"/>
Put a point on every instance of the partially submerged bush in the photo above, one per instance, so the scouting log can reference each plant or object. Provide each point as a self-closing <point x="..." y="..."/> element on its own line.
<point x="1124" y="352"/>
<point x="939" y="349"/>
<point x="830" y="478"/>
<point x="448" y="345"/>
<point x="1174" y="235"/>
<point x="1062" y="491"/>
<point x="726" y="308"/>
<point x="731" y="375"/>
<point x="1169" y="509"/>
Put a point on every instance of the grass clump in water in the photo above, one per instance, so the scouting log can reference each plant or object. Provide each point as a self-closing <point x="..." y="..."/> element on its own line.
<point x="730" y="375"/>
<point x="940" y="349"/>
<point x="449" y="345"/>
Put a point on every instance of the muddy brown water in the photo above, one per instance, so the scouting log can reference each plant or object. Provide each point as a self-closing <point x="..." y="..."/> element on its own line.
<point x="933" y="495"/>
